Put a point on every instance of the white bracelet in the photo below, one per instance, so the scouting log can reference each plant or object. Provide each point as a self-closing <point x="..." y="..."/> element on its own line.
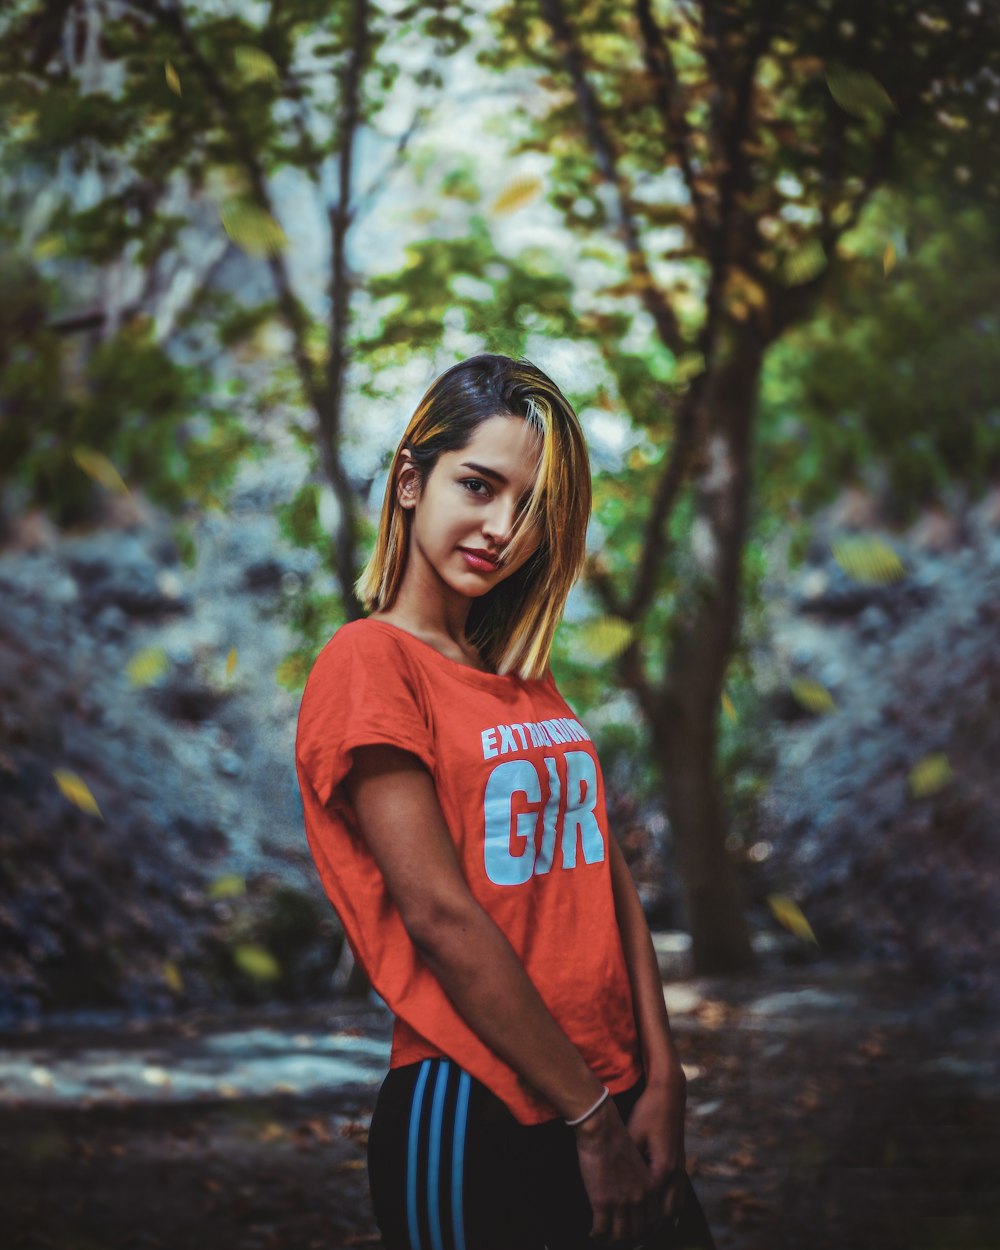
<point x="580" y="1118"/>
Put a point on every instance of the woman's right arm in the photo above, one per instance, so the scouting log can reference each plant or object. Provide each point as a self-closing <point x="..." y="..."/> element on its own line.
<point x="400" y="817"/>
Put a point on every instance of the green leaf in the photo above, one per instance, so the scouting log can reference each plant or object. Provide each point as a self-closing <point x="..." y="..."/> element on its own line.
<point x="858" y="92"/>
<point x="256" y="962"/>
<point x="252" y="228"/>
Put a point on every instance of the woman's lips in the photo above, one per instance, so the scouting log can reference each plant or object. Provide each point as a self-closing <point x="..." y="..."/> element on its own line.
<point x="477" y="562"/>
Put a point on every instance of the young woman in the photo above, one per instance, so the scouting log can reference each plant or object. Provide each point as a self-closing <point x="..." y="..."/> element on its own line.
<point x="455" y="808"/>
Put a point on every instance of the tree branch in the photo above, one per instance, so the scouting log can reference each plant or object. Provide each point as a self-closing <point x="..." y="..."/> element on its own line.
<point x="652" y="297"/>
<point x="291" y="310"/>
<point x="662" y="70"/>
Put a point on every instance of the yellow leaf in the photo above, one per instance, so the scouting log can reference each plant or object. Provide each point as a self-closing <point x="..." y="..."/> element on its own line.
<point x="173" y="79"/>
<point x="787" y="912"/>
<point x="604" y="637"/>
<point x="254" y="64"/>
<point x="868" y="559"/>
<point x="147" y="666"/>
<point x="516" y="194"/>
<point x="76" y="790"/>
<point x="888" y="259"/>
<point x="930" y="774"/>
<point x="858" y="93"/>
<point x="49" y="245"/>
<point x="231" y="662"/>
<point x="96" y="465"/>
<point x="172" y="976"/>
<point x="812" y="695"/>
<point x="952" y="121"/>
<point x="256" y="962"/>
<point x="727" y="706"/>
<point x="228" y="886"/>
<point x="252" y="228"/>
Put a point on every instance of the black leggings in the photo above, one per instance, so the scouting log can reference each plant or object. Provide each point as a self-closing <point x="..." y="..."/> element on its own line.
<point x="450" y="1168"/>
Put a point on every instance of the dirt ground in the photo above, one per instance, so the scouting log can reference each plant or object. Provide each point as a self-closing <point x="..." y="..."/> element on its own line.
<point x="828" y="1109"/>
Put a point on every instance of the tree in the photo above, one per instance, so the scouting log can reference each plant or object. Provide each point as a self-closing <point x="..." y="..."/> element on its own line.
<point x="186" y="118"/>
<point x="719" y="154"/>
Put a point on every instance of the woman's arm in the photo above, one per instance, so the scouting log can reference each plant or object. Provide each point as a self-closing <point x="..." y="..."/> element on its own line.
<point x="401" y="819"/>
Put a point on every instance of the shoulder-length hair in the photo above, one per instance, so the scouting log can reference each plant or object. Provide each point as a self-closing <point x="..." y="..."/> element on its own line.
<point x="512" y="625"/>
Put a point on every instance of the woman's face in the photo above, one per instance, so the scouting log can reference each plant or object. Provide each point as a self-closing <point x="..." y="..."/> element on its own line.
<point x="470" y="503"/>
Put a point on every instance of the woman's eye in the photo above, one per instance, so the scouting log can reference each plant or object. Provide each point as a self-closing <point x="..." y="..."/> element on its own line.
<point x="469" y="482"/>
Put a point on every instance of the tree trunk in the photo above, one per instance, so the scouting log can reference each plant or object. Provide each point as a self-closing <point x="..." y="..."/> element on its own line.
<point x="685" y="735"/>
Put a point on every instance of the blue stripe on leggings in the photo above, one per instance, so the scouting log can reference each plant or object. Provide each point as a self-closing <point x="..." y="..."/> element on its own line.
<point x="411" y="1156"/>
<point x="434" y="1165"/>
<point x="458" y="1161"/>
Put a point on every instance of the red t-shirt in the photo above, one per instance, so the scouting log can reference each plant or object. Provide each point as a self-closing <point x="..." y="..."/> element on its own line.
<point x="520" y="786"/>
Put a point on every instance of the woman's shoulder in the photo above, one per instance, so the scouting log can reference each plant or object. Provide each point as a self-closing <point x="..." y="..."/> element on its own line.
<point x="361" y="637"/>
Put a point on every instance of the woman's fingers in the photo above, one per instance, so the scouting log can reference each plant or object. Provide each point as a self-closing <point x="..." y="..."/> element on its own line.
<point x="601" y="1227"/>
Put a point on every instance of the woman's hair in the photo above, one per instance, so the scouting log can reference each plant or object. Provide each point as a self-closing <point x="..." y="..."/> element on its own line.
<point x="513" y="625"/>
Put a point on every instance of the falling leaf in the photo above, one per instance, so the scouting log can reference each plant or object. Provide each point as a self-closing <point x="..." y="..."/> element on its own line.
<point x="231" y="662"/>
<point x="252" y="228"/>
<point x="173" y="79"/>
<point x="727" y="706"/>
<point x="888" y="259"/>
<point x="804" y="263"/>
<point x="868" y="559"/>
<point x="812" y="695"/>
<point x="147" y="666"/>
<point x="153" y="1075"/>
<point x="49" y="245"/>
<point x="76" y="790"/>
<point x="930" y="774"/>
<point x="172" y="976"/>
<point x="516" y="194"/>
<point x="228" y="886"/>
<point x="254" y="64"/>
<point x="952" y="121"/>
<point x="605" y="637"/>
<point x="96" y="465"/>
<point x="787" y="912"/>
<point x="256" y="962"/>
<point x="858" y="93"/>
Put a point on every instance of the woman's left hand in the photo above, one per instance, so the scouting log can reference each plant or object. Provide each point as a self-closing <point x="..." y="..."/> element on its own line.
<point x="656" y="1125"/>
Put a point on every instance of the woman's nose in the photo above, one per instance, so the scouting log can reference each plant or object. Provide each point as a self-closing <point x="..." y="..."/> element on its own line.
<point x="499" y="521"/>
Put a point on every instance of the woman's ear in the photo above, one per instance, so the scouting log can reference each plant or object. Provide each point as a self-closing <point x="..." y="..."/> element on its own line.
<point x="407" y="481"/>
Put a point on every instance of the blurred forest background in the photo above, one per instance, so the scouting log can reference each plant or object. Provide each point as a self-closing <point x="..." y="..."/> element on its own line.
<point x="757" y="245"/>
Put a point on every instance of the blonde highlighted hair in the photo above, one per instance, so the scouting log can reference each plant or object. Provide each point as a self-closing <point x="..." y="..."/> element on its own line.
<point x="513" y="625"/>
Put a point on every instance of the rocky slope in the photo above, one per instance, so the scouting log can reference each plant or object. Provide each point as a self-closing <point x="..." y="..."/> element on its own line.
<point x="193" y="882"/>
